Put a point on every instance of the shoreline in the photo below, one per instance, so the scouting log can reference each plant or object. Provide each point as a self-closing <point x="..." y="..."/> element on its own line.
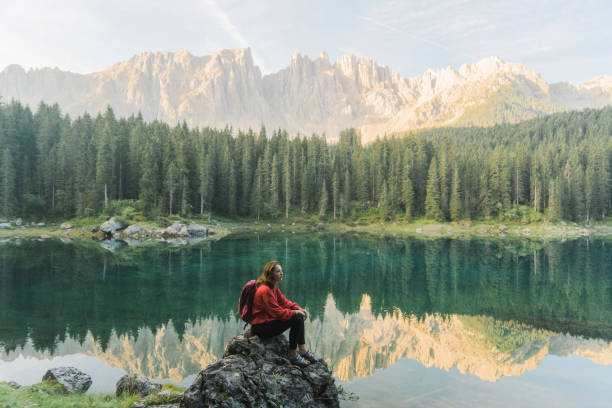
<point x="424" y="229"/>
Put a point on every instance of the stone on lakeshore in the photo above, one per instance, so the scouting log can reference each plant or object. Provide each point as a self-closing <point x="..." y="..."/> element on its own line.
<point x="419" y="230"/>
<point x="196" y="230"/>
<point x="502" y="228"/>
<point x="5" y="225"/>
<point x="19" y="222"/>
<point x="256" y="373"/>
<point x="174" y="230"/>
<point x="132" y="230"/>
<point x="320" y="227"/>
<point x="71" y="379"/>
<point x="136" y="384"/>
<point x="40" y="224"/>
<point x="13" y="385"/>
<point x="66" y="225"/>
<point x="111" y="226"/>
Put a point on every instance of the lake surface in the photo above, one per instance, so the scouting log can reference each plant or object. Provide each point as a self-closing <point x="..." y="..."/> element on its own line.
<point x="402" y="322"/>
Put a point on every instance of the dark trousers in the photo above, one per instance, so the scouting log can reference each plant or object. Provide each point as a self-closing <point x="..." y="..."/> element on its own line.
<point x="276" y="327"/>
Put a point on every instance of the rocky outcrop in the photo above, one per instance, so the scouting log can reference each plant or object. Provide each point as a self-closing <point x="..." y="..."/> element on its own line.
<point x="196" y="230"/>
<point x="111" y="226"/>
<point x="71" y="379"/>
<point x="136" y="384"/>
<point x="310" y="95"/>
<point x="256" y="373"/>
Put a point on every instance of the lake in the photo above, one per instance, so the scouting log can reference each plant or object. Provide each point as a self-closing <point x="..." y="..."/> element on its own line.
<point x="402" y="321"/>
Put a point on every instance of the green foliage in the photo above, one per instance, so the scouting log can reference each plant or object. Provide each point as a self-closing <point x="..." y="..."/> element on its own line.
<point x="54" y="167"/>
<point x="45" y="395"/>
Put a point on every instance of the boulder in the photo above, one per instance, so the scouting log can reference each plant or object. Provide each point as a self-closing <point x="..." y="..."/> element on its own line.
<point x="256" y="373"/>
<point x="40" y="224"/>
<point x="132" y="230"/>
<point x="196" y="230"/>
<point x="13" y="385"/>
<point x="502" y="228"/>
<point x="66" y="225"/>
<point x="19" y="222"/>
<point x="5" y="225"/>
<point x="71" y="379"/>
<point x="136" y="384"/>
<point x="174" y="230"/>
<point x="320" y="227"/>
<point x="111" y="226"/>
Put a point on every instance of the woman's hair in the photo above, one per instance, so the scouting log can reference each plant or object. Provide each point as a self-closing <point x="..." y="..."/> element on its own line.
<point x="267" y="276"/>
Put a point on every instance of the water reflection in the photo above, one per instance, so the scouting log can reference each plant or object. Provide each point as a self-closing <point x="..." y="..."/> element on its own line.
<point x="488" y="308"/>
<point x="356" y="344"/>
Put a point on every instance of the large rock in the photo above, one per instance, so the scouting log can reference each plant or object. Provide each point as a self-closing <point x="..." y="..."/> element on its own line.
<point x="136" y="384"/>
<point x="177" y="229"/>
<point x="133" y="230"/>
<point x="66" y="225"/>
<point x="72" y="379"/>
<point x="5" y="225"/>
<point x="196" y="230"/>
<point x="256" y="373"/>
<point x="111" y="226"/>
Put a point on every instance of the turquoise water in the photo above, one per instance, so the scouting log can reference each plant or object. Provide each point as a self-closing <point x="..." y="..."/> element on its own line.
<point x="401" y="321"/>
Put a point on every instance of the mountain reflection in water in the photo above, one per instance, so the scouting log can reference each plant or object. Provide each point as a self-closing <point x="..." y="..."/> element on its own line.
<point x="485" y="307"/>
<point x="356" y="344"/>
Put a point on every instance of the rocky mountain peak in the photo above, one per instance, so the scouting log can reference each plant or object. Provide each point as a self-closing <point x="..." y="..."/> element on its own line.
<point x="310" y="95"/>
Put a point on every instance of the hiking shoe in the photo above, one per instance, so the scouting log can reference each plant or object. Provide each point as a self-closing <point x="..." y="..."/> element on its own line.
<point x="310" y="356"/>
<point x="298" y="360"/>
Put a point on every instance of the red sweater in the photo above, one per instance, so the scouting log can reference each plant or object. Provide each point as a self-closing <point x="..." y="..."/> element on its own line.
<point x="270" y="304"/>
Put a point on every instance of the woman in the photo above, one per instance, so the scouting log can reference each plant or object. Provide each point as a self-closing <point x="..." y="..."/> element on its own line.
<point x="273" y="314"/>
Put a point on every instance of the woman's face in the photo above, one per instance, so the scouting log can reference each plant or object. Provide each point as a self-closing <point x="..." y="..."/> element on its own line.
<point x="278" y="273"/>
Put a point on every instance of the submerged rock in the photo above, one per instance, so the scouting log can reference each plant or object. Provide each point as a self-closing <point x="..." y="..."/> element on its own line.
<point x="136" y="384"/>
<point x="71" y="379"/>
<point x="256" y="373"/>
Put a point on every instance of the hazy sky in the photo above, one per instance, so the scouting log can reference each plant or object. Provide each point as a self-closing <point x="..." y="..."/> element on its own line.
<point x="563" y="40"/>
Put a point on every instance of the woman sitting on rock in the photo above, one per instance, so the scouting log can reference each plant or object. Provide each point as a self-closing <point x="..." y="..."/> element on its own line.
<point x="273" y="314"/>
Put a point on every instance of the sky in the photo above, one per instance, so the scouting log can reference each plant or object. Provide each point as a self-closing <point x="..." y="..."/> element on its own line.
<point x="563" y="40"/>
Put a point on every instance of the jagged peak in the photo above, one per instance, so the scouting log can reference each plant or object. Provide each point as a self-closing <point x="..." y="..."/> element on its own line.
<point x="601" y="81"/>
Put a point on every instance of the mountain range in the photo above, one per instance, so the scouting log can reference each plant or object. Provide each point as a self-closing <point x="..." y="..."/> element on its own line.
<point x="310" y="95"/>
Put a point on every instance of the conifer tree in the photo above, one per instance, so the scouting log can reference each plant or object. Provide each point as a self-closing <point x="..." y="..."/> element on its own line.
<point x="407" y="193"/>
<point x="432" y="200"/>
<point x="7" y="183"/>
<point x="323" y="200"/>
<point x="455" y="198"/>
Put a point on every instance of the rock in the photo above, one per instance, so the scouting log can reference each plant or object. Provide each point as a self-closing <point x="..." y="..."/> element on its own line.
<point x="132" y="230"/>
<point x="40" y="224"/>
<point x="66" y="225"/>
<point x="269" y="227"/>
<point x="419" y="230"/>
<point x="502" y="228"/>
<point x="256" y="373"/>
<point x="5" y="225"/>
<point x="465" y="223"/>
<point x="174" y="230"/>
<point x="111" y="226"/>
<point x="72" y="379"/>
<point x="196" y="230"/>
<point x="526" y="231"/>
<point x="19" y="222"/>
<point x="320" y="227"/>
<point x="13" y="385"/>
<point x="210" y="231"/>
<point x="136" y="384"/>
<point x="94" y="229"/>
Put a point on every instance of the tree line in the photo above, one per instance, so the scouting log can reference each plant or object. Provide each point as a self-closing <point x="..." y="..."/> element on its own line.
<point x="53" y="166"/>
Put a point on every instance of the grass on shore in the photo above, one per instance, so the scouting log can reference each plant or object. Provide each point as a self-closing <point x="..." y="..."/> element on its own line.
<point x="49" y="394"/>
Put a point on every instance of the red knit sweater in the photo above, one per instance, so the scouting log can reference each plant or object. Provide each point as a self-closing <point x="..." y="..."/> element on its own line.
<point x="270" y="304"/>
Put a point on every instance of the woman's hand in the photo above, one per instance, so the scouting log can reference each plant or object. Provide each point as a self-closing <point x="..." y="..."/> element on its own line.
<point x="303" y="312"/>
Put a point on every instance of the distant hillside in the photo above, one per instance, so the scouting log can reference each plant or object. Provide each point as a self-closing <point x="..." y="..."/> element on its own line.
<point x="310" y="95"/>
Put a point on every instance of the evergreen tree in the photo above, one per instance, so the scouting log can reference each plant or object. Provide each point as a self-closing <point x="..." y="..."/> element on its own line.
<point x="432" y="201"/>
<point x="455" y="198"/>
<point x="323" y="201"/>
<point x="7" y="184"/>
<point x="407" y="193"/>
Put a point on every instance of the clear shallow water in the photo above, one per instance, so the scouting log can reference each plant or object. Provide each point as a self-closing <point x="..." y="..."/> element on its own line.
<point x="402" y="321"/>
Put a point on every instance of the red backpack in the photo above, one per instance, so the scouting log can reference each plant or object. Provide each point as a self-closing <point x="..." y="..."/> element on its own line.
<point x="245" y="302"/>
